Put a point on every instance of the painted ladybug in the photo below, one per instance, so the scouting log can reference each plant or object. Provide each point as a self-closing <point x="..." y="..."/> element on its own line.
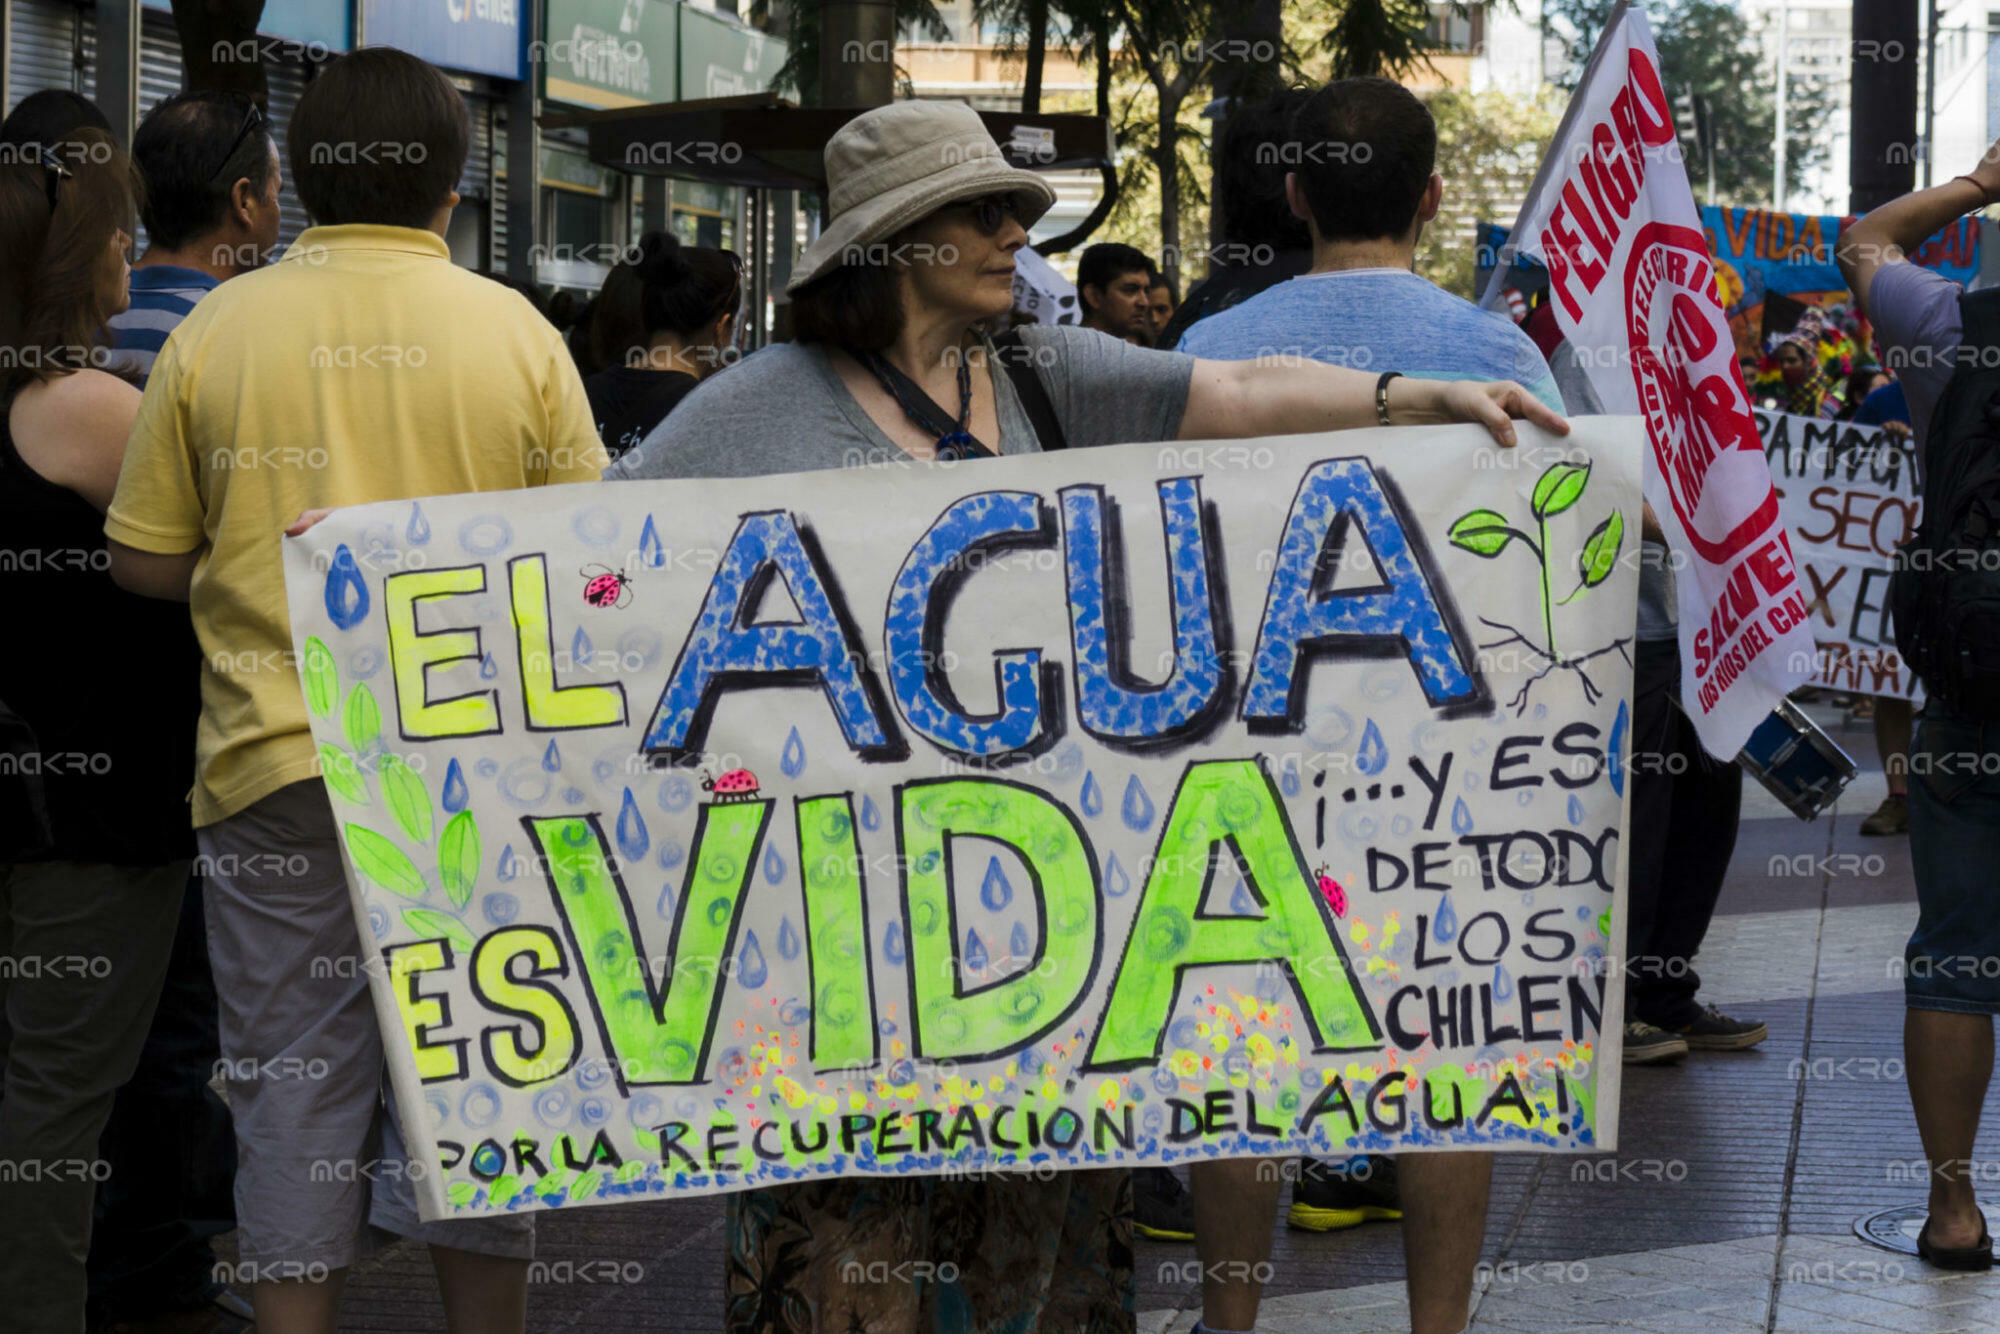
<point x="606" y="587"/>
<point x="736" y="785"/>
<point x="1330" y="890"/>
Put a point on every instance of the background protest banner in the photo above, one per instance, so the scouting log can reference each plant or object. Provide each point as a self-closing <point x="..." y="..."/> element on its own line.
<point x="1849" y="495"/>
<point x="1108" y="806"/>
<point x="1634" y="292"/>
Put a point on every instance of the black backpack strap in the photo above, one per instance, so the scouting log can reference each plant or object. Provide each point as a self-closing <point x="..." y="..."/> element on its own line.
<point x="1015" y="356"/>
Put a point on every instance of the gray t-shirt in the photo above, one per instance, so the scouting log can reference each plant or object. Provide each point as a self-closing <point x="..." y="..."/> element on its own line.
<point x="1916" y="317"/>
<point x="784" y="409"/>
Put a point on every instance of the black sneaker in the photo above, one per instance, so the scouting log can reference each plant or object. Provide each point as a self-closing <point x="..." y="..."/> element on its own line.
<point x="1337" y="1193"/>
<point x="1712" y="1030"/>
<point x="1647" y="1044"/>
<point x="1161" y="1206"/>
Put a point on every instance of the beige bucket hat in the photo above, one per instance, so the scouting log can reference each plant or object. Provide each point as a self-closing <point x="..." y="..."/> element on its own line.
<point x="889" y="167"/>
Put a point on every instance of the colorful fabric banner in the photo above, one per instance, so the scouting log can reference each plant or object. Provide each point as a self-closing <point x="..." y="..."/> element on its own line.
<point x="1127" y="805"/>
<point x="1849" y="494"/>
<point x="1634" y="291"/>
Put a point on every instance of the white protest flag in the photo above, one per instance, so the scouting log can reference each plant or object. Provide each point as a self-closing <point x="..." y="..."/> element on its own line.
<point x="1634" y="292"/>
<point x="1040" y="290"/>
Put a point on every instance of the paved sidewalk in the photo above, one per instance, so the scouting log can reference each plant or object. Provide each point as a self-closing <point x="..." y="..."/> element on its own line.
<point x="1729" y="1206"/>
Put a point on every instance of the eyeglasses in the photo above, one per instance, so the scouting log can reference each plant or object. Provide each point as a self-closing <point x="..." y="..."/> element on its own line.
<point x="54" y="173"/>
<point x="253" y="119"/>
<point x="991" y="211"/>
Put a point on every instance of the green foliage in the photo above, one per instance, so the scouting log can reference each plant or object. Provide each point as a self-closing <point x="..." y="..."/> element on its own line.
<point x="1710" y="48"/>
<point x="458" y="857"/>
<point x="383" y="862"/>
<point x="799" y="75"/>
<point x="1489" y="146"/>
<point x="404" y="793"/>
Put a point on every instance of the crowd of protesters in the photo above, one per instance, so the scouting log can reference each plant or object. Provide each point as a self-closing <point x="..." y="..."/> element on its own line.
<point x="202" y="346"/>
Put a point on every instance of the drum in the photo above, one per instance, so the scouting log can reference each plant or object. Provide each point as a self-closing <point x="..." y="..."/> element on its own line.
<point x="1796" y="761"/>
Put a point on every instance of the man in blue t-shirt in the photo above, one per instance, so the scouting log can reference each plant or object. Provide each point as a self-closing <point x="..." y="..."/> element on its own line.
<point x="1365" y="185"/>
<point x="210" y="208"/>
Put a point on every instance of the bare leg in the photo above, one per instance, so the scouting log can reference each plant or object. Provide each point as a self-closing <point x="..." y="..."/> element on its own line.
<point x="1235" y="1208"/>
<point x="1949" y="1058"/>
<point x="1444" y="1223"/>
<point x="483" y="1294"/>
<point x="1892" y="742"/>
<point x="299" y="1306"/>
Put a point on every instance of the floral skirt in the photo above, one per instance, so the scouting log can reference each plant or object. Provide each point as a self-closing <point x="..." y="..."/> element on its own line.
<point x="927" y="1255"/>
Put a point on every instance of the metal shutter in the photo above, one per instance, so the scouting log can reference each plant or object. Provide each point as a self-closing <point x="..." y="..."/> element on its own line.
<point x="41" y="52"/>
<point x="496" y="210"/>
<point x="477" y="182"/>
<point x="86" y="75"/>
<point x="159" y="61"/>
<point x="286" y="80"/>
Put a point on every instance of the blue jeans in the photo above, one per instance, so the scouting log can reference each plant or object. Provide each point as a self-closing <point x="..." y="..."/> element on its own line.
<point x="1953" y="959"/>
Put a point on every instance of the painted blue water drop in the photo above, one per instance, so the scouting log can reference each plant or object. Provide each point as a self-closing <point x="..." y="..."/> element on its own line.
<point x="1461" y="816"/>
<point x="788" y="936"/>
<point x="669" y="855"/>
<point x="346" y="590"/>
<point x="1503" y="983"/>
<point x="665" y="907"/>
<point x="996" y="891"/>
<point x="632" y="837"/>
<point x="1018" y="943"/>
<point x="793" y="761"/>
<point x="1373" y="756"/>
<point x="488" y="669"/>
<point x="1117" y="884"/>
<point x="580" y="648"/>
<point x="1614" y="750"/>
<point x="652" y="552"/>
<point x="1575" y="809"/>
<point x="500" y="909"/>
<point x="418" y="531"/>
<point x="509" y="868"/>
<point x="1091" y="799"/>
<point x="751" y="970"/>
<point x="974" y="957"/>
<point x="871" y="818"/>
<point x="1241" y="903"/>
<point x="1137" y="813"/>
<point x="455" y="795"/>
<point x="774" y="864"/>
<point x="892" y="943"/>
<point x="1444" y="927"/>
<point x="1289" y="782"/>
<point x="552" y="758"/>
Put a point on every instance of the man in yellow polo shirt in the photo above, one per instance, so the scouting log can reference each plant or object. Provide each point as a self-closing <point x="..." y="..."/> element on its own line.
<point x="361" y="367"/>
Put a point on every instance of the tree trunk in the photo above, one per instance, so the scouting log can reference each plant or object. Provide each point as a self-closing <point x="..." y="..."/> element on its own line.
<point x="206" y="26"/>
<point x="1038" y="39"/>
<point x="1166" y="160"/>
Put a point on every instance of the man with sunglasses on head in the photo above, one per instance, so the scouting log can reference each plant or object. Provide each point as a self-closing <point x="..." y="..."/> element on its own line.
<point x="210" y="208"/>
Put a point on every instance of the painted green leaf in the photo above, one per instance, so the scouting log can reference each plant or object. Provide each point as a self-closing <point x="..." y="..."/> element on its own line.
<point x="428" y="922"/>
<point x="586" y="1185"/>
<point x="460" y="1193"/>
<point x="1600" y="553"/>
<point x="1482" y="532"/>
<point x="383" y="862"/>
<point x="403" y="792"/>
<point x="362" y="718"/>
<point x="321" y="677"/>
<point x="458" y="857"/>
<point x="342" y="774"/>
<point x="1559" y="488"/>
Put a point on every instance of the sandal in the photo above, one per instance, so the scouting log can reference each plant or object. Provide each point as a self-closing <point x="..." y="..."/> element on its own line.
<point x="1964" y="1257"/>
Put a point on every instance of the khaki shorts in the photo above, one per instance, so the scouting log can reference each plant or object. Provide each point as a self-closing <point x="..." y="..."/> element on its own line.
<point x="322" y="1178"/>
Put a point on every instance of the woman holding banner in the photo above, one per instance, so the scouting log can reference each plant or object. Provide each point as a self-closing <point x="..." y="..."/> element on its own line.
<point x="889" y="306"/>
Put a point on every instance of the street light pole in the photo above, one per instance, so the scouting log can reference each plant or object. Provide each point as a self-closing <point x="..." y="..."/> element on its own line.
<point x="1778" y="151"/>
<point x="1930" y="88"/>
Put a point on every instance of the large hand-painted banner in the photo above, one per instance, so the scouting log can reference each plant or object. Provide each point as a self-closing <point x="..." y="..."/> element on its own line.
<point x="1128" y="805"/>
<point x="1634" y="292"/>
<point x="1849" y="494"/>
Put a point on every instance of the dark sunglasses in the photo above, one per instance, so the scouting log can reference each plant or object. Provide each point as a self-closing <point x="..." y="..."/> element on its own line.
<point x="54" y="173"/>
<point x="253" y="119"/>
<point x="991" y="211"/>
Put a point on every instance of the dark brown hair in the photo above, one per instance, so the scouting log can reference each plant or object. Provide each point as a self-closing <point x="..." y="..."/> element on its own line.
<point x="379" y="136"/>
<point x="1365" y="150"/>
<point x="855" y="306"/>
<point x="666" y="287"/>
<point x="52" y="262"/>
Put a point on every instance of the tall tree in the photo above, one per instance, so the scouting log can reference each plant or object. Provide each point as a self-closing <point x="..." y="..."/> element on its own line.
<point x="1710" y="49"/>
<point x="800" y="26"/>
